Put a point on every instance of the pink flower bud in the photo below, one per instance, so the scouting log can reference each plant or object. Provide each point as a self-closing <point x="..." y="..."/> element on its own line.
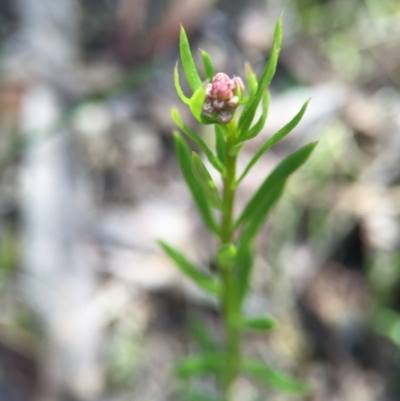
<point x="231" y="85"/>
<point x="209" y="90"/>
<point x="226" y="94"/>
<point x="238" y="84"/>
<point x="220" y="77"/>
<point x="219" y="104"/>
<point x="233" y="102"/>
<point x="208" y="107"/>
<point x="225" y="116"/>
<point x="222" y="97"/>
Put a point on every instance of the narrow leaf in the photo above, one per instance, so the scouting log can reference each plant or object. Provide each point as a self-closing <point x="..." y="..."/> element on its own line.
<point x="203" y="280"/>
<point x="226" y="256"/>
<point x="249" y="232"/>
<point x="184" y="159"/>
<point x="178" y="88"/>
<point x="244" y="100"/>
<point x="206" y="182"/>
<point x="220" y="144"/>
<point x="275" y="139"/>
<point x="198" y="365"/>
<point x="200" y="332"/>
<point x="195" y="138"/>
<point x="208" y="120"/>
<point x="251" y="80"/>
<point x="189" y="67"/>
<point x="259" y="125"/>
<point x="261" y="323"/>
<point x="266" y="77"/>
<point x="208" y="65"/>
<point x="255" y="221"/>
<point x="197" y="101"/>
<point x="269" y="71"/>
<point x="244" y="267"/>
<point x="278" y="177"/>
<point x="274" y="378"/>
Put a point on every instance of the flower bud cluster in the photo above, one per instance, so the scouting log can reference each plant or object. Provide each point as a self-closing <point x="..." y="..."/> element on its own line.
<point x="222" y="97"/>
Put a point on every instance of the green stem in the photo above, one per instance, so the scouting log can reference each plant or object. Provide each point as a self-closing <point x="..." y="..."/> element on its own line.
<point x="228" y="296"/>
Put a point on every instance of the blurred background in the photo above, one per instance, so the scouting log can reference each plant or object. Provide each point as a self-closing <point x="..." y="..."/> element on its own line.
<point x="90" y="309"/>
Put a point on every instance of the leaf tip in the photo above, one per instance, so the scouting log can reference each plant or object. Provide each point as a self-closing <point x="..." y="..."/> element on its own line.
<point x="176" y="135"/>
<point x="248" y="68"/>
<point x="174" y="113"/>
<point x="160" y="242"/>
<point x="278" y="34"/>
<point x="312" y="146"/>
<point x="182" y="34"/>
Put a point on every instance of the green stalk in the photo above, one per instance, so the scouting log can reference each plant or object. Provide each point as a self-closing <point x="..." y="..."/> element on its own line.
<point x="228" y="295"/>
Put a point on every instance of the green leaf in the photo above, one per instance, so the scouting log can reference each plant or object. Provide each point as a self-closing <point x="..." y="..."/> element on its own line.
<point x="274" y="378"/>
<point x="277" y="178"/>
<point x="266" y="77"/>
<point x="285" y="130"/>
<point x="200" y="332"/>
<point x="235" y="149"/>
<point x="259" y="125"/>
<point x="261" y="323"/>
<point x="257" y="209"/>
<point x="195" y="138"/>
<point x="255" y="221"/>
<point x="178" y="88"/>
<point x="226" y="255"/>
<point x="275" y="139"/>
<point x="197" y="101"/>
<point x="184" y="159"/>
<point x="208" y="65"/>
<point x="206" y="182"/>
<point x="220" y="144"/>
<point x="251" y="80"/>
<point x="203" y="280"/>
<point x="244" y="265"/>
<point x="208" y="120"/>
<point x="189" y="67"/>
<point x="198" y="365"/>
<point x="244" y="100"/>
